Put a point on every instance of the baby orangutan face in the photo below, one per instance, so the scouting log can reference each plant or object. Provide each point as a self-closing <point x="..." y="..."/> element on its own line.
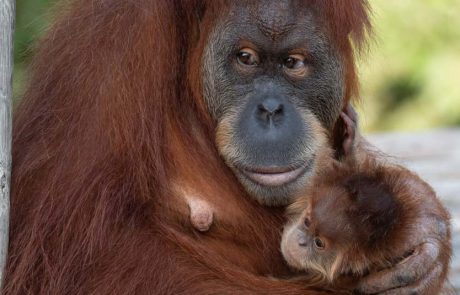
<point x="338" y="227"/>
<point x="317" y="239"/>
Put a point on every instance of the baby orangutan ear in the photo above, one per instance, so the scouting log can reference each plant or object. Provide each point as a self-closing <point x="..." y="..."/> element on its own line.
<point x="344" y="133"/>
<point x="374" y="209"/>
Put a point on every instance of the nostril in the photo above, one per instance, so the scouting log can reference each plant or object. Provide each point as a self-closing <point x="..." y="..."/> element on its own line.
<point x="262" y="108"/>
<point x="271" y="113"/>
<point x="302" y="241"/>
<point x="271" y="106"/>
<point x="279" y="110"/>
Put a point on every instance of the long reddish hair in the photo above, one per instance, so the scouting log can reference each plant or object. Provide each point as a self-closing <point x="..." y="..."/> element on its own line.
<point x="112" y="113"/>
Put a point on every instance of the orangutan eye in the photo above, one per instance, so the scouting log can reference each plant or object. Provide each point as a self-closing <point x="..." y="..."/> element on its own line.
<point x="248" y="57"/>
<point x="295" y="65"/>
<point x="319" y="244"/>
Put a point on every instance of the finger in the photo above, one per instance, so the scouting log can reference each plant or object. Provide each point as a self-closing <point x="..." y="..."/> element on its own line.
<point x="351" y="113"/>
<point x="404" y="273"/>
<point x="349" y="136"/>
<point x="349" y="123"/>
<point x="422" y="287"/>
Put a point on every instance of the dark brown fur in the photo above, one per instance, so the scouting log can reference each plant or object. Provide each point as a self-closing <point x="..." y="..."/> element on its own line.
<point x="372" y="210"/>
<point x="112" y="117"/>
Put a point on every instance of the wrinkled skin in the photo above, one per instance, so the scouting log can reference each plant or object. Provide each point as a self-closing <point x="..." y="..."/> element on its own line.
<point x="267" y="116"/>
<point x="274" y="31"/>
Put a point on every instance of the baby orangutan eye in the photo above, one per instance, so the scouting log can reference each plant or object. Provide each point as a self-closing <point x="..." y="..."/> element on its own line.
<point x="319" y="244"/>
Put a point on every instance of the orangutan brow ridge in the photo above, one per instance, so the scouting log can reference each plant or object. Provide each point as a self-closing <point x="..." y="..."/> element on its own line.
<point x="274" y="18"/>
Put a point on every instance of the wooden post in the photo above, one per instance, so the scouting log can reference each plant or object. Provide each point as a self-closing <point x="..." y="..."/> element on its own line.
<point x="7" y="14"/>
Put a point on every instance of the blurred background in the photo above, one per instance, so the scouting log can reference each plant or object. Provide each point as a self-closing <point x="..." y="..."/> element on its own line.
<point x="410" y="76"/>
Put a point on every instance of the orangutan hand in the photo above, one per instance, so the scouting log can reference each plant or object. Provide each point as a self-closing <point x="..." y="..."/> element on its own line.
<point x="423" y="271"/>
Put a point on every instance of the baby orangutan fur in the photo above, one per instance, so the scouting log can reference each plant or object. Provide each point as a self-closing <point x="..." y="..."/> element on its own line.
<point x="358" y="217"/>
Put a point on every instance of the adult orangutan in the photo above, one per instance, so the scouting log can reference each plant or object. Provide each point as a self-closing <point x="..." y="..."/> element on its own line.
<point x="130" y="100"/>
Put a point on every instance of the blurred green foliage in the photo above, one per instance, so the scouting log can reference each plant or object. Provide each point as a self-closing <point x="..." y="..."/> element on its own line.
<point x="32" y="19"/>
<point x="410" y="77"/>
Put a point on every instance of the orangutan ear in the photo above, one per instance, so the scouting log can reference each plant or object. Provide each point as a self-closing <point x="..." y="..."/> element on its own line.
<point x="344" y="133"/>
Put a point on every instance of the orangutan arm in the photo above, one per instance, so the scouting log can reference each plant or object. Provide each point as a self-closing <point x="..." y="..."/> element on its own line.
<point x="425" y="270"/>
<point x="169" y="262"/>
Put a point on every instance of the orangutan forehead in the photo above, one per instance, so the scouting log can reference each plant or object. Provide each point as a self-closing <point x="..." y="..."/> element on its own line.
<point x="273" y="18"/>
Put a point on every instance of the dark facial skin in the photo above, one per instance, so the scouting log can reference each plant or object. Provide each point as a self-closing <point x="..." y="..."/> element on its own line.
<point x="271" y="81"/>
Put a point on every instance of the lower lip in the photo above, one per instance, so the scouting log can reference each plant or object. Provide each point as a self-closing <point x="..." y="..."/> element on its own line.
<point x="275" y="179"/>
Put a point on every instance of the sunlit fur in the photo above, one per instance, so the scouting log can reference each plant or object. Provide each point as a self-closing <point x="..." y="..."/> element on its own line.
<point x="112" y="116"/>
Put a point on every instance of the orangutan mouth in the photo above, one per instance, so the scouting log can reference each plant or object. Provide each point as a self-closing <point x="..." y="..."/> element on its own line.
<point x="275" y="175"/>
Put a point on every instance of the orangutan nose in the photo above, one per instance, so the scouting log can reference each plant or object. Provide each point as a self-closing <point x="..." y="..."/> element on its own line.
<point x="302" y="239"/>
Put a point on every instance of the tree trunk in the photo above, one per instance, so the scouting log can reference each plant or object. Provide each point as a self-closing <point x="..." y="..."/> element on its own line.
<point x="7" y="13"/>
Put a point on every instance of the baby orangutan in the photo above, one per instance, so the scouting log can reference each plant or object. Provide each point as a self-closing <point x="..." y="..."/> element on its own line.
<point x="357" y="218"/>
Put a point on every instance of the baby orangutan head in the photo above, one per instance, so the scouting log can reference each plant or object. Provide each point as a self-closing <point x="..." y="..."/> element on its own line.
<point x="336" y="229"/>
